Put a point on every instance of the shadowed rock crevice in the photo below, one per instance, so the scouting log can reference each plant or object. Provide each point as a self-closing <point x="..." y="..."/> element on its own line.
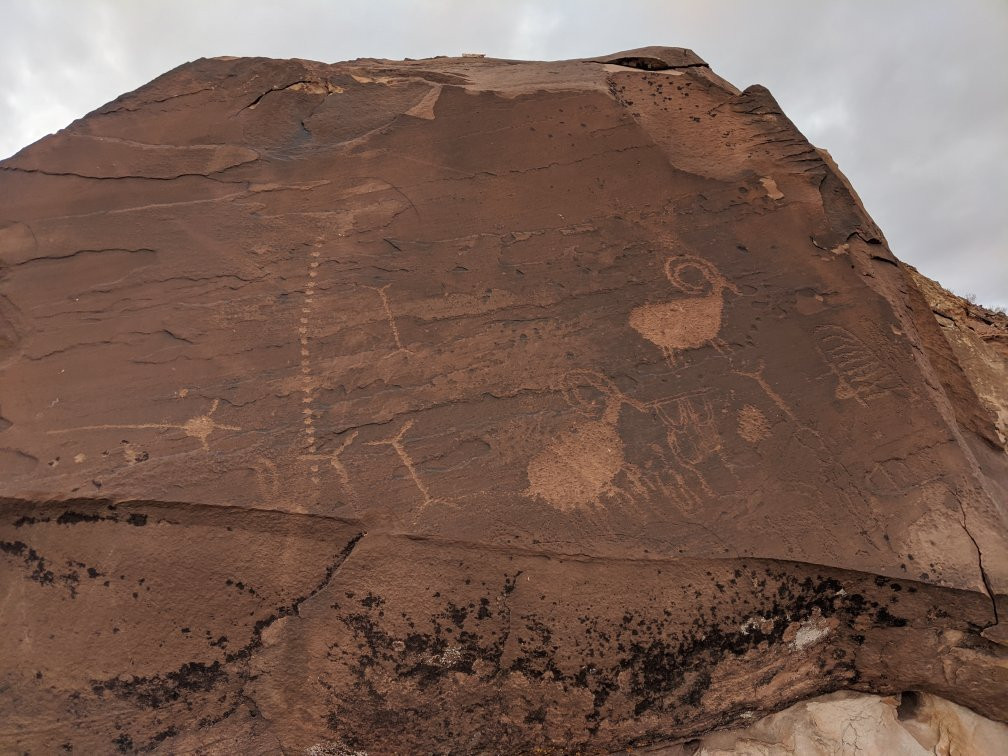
<point x="648" y="64"/>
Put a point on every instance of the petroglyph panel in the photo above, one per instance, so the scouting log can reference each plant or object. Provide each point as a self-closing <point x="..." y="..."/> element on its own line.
<point x="477" y="367"/>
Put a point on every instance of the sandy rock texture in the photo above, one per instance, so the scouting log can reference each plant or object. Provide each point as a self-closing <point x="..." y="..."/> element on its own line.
<point x="465" y="405"/>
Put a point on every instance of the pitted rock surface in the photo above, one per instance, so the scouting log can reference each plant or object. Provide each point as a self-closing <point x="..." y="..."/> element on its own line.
<point x="468" y="404"/>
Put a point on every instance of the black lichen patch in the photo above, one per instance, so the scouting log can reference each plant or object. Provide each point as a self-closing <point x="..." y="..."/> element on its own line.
<point x="38" y="568"/>
<point x="73" y="518"/>
<point x="159" y="690"/>
<point x="884" y="619"/>
<point x="641" y="63"/>
<point x="484" y="609"/>
<point x="536" y="716"/>
<point x="170" y="732"/>
<point x="20" y="522"/>
<point x="240" y="586"/>
<point x="108" y="513"/>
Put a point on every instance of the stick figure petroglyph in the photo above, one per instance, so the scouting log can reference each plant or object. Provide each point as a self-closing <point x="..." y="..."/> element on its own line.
<point x="386" y="305"/>
<point x="199" y="427"/>
<point x="397" y="445"/>
<point x="692" y="320"/>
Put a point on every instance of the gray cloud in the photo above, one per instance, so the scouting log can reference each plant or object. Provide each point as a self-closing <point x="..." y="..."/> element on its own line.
<point x="908" y="96"/>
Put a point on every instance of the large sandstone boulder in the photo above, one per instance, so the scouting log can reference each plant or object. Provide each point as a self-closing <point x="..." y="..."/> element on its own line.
<point x="475" y="405"/>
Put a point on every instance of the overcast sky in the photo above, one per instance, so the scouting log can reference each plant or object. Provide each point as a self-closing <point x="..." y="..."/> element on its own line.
<point x="910" y="96"/>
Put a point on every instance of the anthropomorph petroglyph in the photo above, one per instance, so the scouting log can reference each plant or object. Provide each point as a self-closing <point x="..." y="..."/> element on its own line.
<point x="200" y="427"/>
<point x="692" y="320"/>
<point x="693" y="440"/>
<point x="579" y="467"/>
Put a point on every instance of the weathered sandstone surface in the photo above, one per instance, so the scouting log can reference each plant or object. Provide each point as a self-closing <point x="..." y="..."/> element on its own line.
<point x="466" y="405"/>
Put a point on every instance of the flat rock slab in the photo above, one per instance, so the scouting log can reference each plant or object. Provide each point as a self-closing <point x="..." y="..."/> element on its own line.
<point x="470" y="404"/>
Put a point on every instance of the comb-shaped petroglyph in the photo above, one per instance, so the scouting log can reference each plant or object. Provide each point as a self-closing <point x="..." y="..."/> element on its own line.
<point x="199" y="427"/>
<point x="692" y="320"/>
<point x="904" y="474"/>
<point x="861" y="373"/>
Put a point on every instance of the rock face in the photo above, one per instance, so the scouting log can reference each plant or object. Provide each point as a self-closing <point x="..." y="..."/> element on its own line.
<point x="468" y="404"/>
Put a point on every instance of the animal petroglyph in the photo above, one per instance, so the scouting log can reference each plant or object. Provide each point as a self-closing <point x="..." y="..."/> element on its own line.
<point x="397" y="445"/>
<point x="579" y="465"/>
<point x="200" y="427"/>
<point x="861" y="373"/>
<point x="690" y="321"/>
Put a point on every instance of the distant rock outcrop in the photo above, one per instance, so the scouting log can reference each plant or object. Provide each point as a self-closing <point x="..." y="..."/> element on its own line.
<point x="480" y="405"/>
